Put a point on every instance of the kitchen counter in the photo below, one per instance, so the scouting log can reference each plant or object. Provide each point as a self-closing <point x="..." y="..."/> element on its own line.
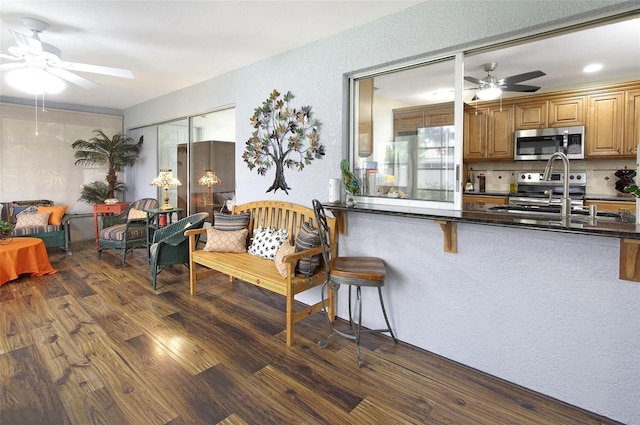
<point x="583" y="224"/>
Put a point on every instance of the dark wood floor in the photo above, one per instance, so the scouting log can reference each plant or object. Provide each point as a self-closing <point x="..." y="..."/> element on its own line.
<point x="93" y="344"/>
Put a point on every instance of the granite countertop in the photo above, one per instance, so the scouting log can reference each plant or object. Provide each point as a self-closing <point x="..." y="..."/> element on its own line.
<point x="601" y="226"/>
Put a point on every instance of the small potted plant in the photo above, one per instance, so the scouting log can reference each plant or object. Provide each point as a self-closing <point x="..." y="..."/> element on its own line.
<point x="350" y="182"/>
<point x="5" y="232"/>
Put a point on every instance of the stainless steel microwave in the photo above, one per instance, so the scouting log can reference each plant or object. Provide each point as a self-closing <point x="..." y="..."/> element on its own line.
<point x="540" y="144"/>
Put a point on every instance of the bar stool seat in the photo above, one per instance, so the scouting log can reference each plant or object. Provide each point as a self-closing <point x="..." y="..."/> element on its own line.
<point x="355" y="272"/>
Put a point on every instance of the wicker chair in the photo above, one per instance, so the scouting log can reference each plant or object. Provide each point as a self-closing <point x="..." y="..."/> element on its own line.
<point x="120" y="232"/>
<point x="171" y="246"/>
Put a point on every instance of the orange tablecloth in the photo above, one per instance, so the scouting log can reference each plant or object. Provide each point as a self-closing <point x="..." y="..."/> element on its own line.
<point x="23" y="255"/>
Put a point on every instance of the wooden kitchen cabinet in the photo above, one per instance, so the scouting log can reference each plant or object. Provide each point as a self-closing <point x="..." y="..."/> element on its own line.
<point x="555" y="112"/>
<point x="567" y="112"/>
<point x="488" y="133"/>
<point x="530" y="115"/>
<point x="365" y="117"/>
<point x="632" y="129"/>
<point x="409" y="120"/>
<point x="605" y="125"/>
<point x="475" y="133"/>
<point x="613" y="206"/>
<point x="484" y="201"/>
<point x="500" y="138"/>
<point x="438" y="117"/>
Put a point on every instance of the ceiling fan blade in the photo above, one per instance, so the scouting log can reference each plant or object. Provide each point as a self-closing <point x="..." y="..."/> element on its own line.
<point x="11" y="58"/>
<point x="520" y="88"/>
<point x="473" y="80"/>
<point x="96" y="69"/>
<point x="72" y="78"/>
<point x="29" y="44"/>
<point x="522" y="77"/>
<point x="9" y="66"/>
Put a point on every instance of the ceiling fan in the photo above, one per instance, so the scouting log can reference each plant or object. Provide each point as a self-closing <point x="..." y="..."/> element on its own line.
<point x="491" y="87"/>
<point x="39" y="60"/>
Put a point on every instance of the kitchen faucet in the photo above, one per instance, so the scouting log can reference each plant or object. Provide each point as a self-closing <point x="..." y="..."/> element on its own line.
<point x="565" y="206"/>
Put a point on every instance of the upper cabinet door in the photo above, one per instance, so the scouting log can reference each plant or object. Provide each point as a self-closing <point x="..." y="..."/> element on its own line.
<point x="567" y="112"/>
<point x="531" y="115"/>
<point x="632" y="130"/>
<point x="605" y="125"/>
<point x="475" y="133"/>
<point x="500" y="139"/>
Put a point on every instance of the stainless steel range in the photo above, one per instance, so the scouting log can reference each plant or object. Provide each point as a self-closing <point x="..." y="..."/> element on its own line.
<point x="534" y="191"/>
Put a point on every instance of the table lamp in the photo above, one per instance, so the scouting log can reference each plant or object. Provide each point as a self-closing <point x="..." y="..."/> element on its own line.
<point x="209" y="179"/>
<point x="166" y="179"/>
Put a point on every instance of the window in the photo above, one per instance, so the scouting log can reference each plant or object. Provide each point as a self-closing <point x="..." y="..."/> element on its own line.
<point x="404" y="133"/>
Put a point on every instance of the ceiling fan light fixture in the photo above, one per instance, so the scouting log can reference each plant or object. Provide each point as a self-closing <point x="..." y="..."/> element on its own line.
<point x="34" y="80"/>
<point x="594" y="67"/>
<point x="490" y="92"/>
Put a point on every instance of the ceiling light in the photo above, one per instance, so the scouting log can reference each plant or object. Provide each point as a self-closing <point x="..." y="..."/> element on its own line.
<point x="489" y="92"/>
<point x="34" y="80"/>
<point x="594" y="67"/>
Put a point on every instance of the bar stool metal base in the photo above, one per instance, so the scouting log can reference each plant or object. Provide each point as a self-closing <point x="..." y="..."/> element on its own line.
<point x="356" y="331"/>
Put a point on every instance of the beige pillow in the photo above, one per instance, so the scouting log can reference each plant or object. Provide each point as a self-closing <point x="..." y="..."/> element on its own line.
<point x="220" y="241"/>
<point x="285" y="249"/>
<point x="32" y="220"/>
<point x="134" y="214"/>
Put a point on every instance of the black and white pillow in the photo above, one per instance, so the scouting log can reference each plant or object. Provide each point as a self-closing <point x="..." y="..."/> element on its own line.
<point x="265" y="242"/>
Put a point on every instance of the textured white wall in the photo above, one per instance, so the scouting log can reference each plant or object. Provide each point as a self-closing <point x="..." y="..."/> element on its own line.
<point x="544" y="310"/>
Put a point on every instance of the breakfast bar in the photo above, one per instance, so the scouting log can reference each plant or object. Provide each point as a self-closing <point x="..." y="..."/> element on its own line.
<point x="620" y="226"/>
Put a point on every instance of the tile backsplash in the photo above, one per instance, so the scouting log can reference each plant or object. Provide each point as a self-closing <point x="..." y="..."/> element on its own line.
<point x="600" y="173"/>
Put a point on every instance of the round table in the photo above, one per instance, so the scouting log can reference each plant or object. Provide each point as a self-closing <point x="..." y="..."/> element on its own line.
<point x="24" y="256"/>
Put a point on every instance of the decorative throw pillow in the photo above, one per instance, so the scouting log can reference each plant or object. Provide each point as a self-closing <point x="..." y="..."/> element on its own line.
<point x="230" y="222"/>
<point x="266" y="242"/>
<point x="307" y="238"/>
<point x="56" y="213"/>
<point x="23" y="209"/>
<point x="135" y="214"/>
<point x="32" y="220"/>
<point x="285" y="249"/>
<point x="232" y="241"/>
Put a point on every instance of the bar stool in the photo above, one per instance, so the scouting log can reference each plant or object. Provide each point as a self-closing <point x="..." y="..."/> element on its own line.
<point x="355" y="272"/>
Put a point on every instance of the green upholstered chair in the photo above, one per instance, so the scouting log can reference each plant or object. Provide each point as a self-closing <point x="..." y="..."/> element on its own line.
<point x="171" y="246"/>
<point x="127" y="230"/>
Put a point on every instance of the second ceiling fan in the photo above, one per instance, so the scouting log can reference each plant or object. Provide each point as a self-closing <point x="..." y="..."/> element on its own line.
<point x="491" y="87"/>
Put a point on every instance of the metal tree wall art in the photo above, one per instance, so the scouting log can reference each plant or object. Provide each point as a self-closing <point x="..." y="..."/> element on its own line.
<point x="283" y="136"/>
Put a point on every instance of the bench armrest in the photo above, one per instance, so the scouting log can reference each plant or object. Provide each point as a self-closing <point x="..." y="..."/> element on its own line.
<point x="302" y="254"/>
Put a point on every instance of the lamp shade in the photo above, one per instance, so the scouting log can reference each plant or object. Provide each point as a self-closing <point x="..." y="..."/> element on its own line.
<point x="209" y="179"/>
<point x="166" y="179"/>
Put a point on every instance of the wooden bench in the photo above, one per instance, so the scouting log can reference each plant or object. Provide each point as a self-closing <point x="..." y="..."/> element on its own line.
<point x="263" y="273"/>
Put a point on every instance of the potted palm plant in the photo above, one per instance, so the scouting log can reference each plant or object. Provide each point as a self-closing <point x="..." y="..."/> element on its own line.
<point x="115" y="152"/>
